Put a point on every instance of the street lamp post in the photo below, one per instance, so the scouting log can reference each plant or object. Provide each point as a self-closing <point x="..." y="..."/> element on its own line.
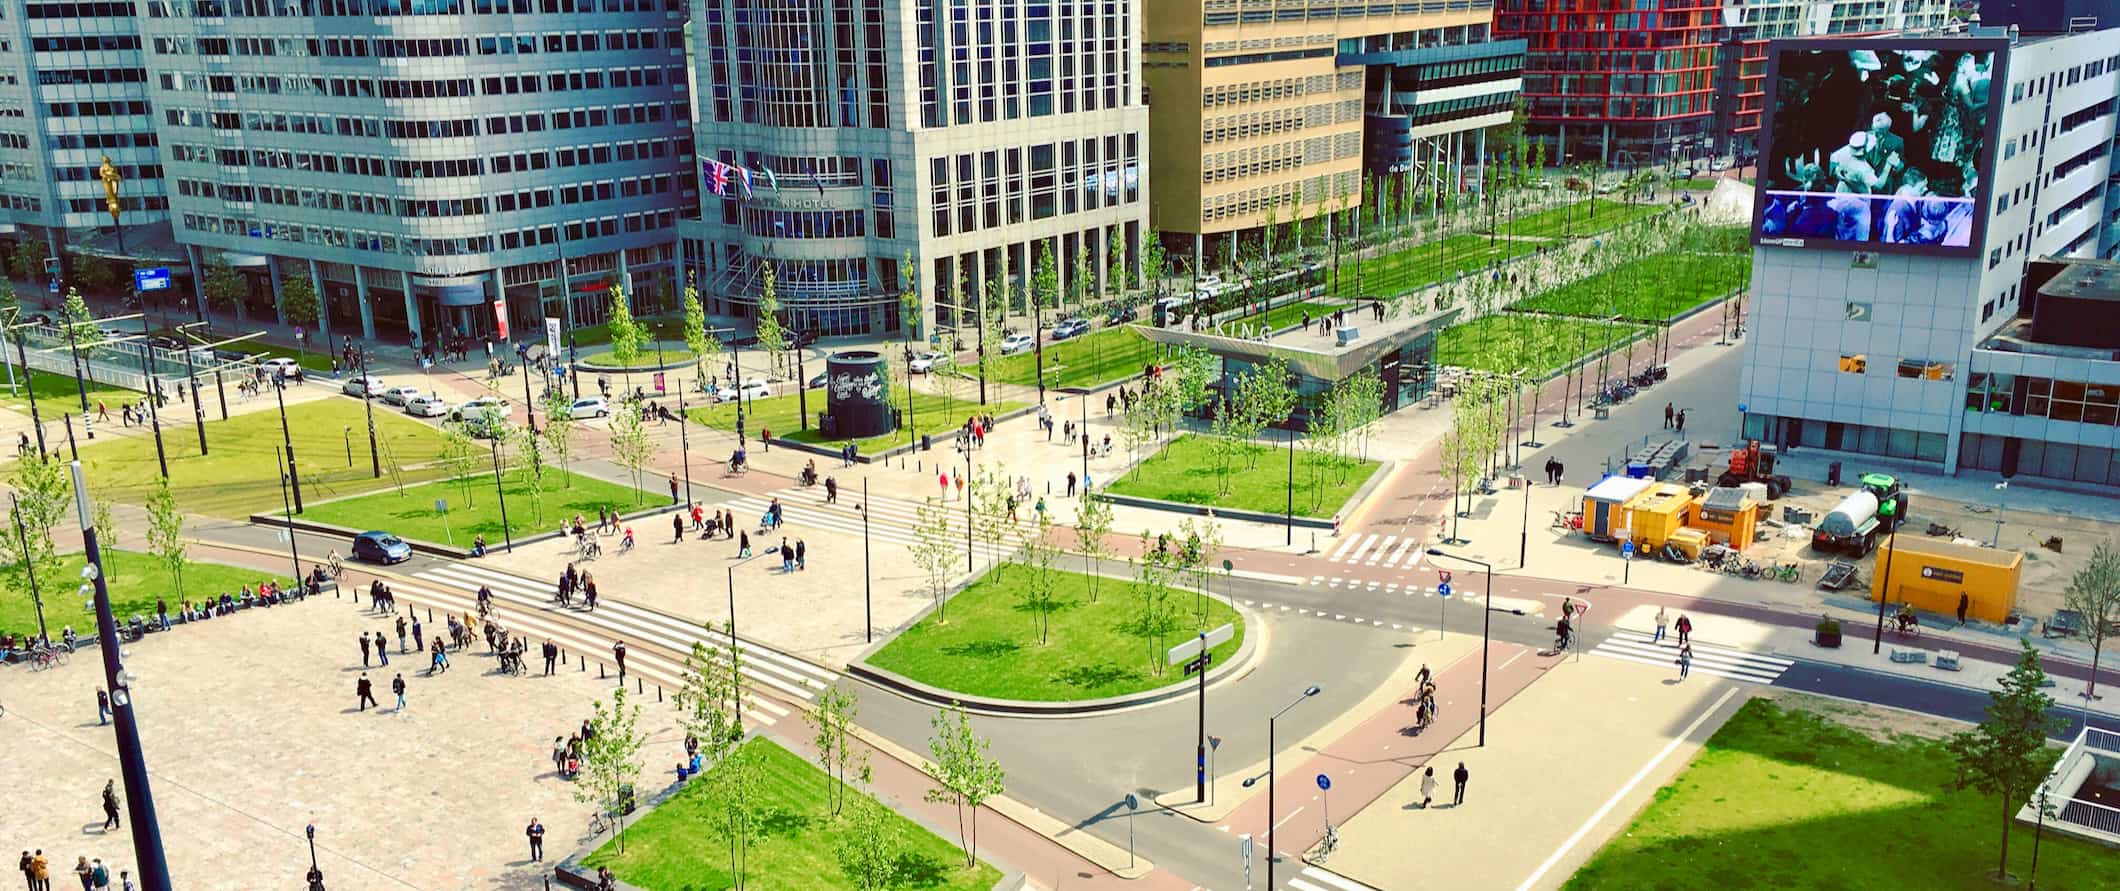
<point x="868" y="620"/>
<point x="198" y="410"/>
<point x="294" y="551"/>
<point x="294" y="480"/>
<point x="529" y="407"/>
<point x="154" y="394"/>
<point x="1288" y="510"/>
<point x="1486" y="627"/>
<point x="375" y="458"/>
<point x="22" y="354"/>
<point x="30" y="569"/>
<point x="316" y="876"/>
<point x="501" y="493"/>
<point x="1271" y="822"/>
<point x="967" y="490"/>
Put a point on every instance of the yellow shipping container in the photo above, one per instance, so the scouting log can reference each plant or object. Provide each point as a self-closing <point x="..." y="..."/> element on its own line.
<point x="1930" y="574"/>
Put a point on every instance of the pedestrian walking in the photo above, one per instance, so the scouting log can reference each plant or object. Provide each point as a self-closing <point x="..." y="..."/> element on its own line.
<point x="103" y="697"/>
<point x="1685" y="659"/>
<point x="438" y="661"/>
<point x="1427" y="787"/>
<point x="1560" y="471"/>
<point x="85" y="872"/>
<point x="1660" y="622"/>
<point x="589" y="591"/>
<point x="401" y="634"/>
<point x="1460" y="775"/>
<point x="382" y="650"/>
<point x="1964" y="602"/>
<point x="551" y="653"/>
<point x="1668" y="410"/>
<point x="677" y="528"/>
<point x="125" y="882"/>
<point x="802" y="552"/>
<point x="98" y="874"/>
<point x="618" y="652"/>
<point x="1071" y="484"/>
<point x="364" y="649"/>
<point x="365" y="689"/>
<point x="743" y="545"/>
<point x="536" y="833"/>
<point x="418" y="645"/>
<point x="787" y="556"/>
<point x="1679" y="424"/>
<point x="397" y="686"/>
<point x="1685" y="630"/>
<point x="40" y="871"/>
<point x="28" y="878"/>
<point x="673" y="488"/>
<point x="110" y="806"/>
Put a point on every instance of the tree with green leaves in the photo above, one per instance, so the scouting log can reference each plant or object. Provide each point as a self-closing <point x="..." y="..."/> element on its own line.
<point x="945" y="377"/>
<point x="27" y="262"/>
<point x="43" y="495"/>
<point x="771" y="336"/>
<point x="1155" y="264"/>
<point x="965" y="774"/>
<point x="1155" y="618"/>
<point x="705" y="346"/>
<point x="531" y="464"/>
<point x="462" y="458"/>
<point x="95" y="273"/>
<point x="705" y="705"/>
<point x="631" y="445"/>
<point x="831" y="720"/>
<point x="909" y="298"/>
<point x="1040" y="590"/>
<point x="870" y="849"/>
<point x="1265" y="396"/>
<point x="626" y="334"/>
<point x="935" y="551"/>
<point x="165" y="534"/>
<point x="1229" y="429"/>
<point x="1093" y="520"/>
<point x="611" y="759"/>
<point x="992" y="500"/>
<point x="298" y="299"/>
<point x="2094" y="593"/>
<point x="743" y="804"/>
<point x="560" y="428"/>
<point x="75" y="314"/>
<point x="10" y="302"/>
<point x="2006" y="756"/>
<point x="1202" y="543"/>
<point x="1045" y="293"/>
<point x="107" y="533"/>
<point x="1118" y="275"/>
<point x="992" y="316"/>
<point x="224" y="287"/>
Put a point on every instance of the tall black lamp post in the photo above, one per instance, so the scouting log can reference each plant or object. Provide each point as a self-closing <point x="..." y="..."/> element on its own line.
<point x="316" y="876"/>
<point x="1486" y="626"/>
<point x="1271" y="822"/>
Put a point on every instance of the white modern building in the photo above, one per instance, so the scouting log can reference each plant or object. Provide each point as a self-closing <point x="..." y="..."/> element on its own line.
<point x="965" y="137"/>
<point x="1928" y="356"/>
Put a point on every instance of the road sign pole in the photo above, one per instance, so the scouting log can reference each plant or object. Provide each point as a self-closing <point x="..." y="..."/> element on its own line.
<point x="1200" y="752"/>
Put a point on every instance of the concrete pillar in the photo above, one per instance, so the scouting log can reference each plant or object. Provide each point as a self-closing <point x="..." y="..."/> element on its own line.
<point x="198" y="278"/>
<point x="625" y="279"/>
<point x="316" y="280"/>
<point x="1197" y="248"/>
<point x="272" y="271"/>
<point x="360" y="294"/>
<point x="1604" y="150"/>
<point x="412" y="306"/>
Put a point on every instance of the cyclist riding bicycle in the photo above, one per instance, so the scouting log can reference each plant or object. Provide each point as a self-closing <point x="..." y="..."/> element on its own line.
<point x="1906" y="618"/>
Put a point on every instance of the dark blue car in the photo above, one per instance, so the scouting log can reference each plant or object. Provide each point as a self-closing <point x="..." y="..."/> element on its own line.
<point x="381" y="547"/>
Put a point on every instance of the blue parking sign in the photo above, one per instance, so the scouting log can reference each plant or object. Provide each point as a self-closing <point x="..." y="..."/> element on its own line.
<point x="1443" y="589"/>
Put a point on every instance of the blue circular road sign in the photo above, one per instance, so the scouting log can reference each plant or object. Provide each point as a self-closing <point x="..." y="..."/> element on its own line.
<point x="1443" y="589"/>
<point x="1324" y="782"/>
<point x="1627" y="548"/>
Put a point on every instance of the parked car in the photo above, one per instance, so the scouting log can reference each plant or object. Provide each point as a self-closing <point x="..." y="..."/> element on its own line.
<point x="755" y="388"/>
<point x="478" y="407"/>
<point x="589" y="407"/>
<point x="381" y="547"/>
<point x="1017" y="343"/>
<point x="1070" y="328"/>
<point x="1120" y="314"/>
<point x="817" y="383"/>
<point x="799" y="339"/>
<point x="923" y="363"/>
<point x="399" y="395"/>
<point x="428" y="406"/>
<point x="280" y="365"/>
<point x="362" y="386"/>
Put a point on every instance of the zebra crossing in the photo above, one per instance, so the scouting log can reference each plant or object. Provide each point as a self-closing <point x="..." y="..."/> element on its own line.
<point x="891" y="520"/>
<point x="526" y="601"/>
<point x="1377" y="549"/>
<point x="1316" y="878"/>
<point x="1723" y="662"/>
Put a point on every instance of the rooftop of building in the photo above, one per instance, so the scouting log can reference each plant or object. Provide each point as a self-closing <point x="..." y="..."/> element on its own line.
<point x="1358" y="343"/>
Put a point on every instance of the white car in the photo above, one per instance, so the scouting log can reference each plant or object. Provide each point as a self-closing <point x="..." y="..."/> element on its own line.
<point x="755" y="388"/>
<point x="399" y="395"/>
<point x="280" y="365"/>
<point x="1016" y="343"/>
<point x="478" y="407"/>
<point x="589" y="407"/>
<point x="428" y="406"/>
<point x="362" y="386"/>
<point x="923" y="363"/>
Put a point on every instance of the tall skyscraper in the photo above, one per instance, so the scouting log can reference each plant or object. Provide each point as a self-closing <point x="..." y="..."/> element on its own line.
<point x="421" y="160"/>
<point x="1749" y="24"/>
<point x="1277" y="109"/>
<point x="843" y="138"/>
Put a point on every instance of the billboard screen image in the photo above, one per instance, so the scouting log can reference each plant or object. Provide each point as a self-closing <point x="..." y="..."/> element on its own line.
<point x="1879" y="144"/>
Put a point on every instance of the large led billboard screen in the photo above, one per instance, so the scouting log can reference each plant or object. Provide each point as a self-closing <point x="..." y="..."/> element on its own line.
<point x="1879" y="144"/>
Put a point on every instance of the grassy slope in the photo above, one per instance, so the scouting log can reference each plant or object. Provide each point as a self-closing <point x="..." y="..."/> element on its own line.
<point x="1655" y="287"/>
<point x="473" y="509"/>
<point x="135" y="580"/>
<point x="1186" y="470"/>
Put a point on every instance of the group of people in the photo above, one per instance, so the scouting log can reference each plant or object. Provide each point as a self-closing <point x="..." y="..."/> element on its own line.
<point x="92" y="871"/>
<point x="1423" y="700"/>
<point x="571" y="582"/>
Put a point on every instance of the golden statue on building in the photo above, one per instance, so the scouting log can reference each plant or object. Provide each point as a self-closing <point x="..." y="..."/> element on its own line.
<point x="109" y="174"/>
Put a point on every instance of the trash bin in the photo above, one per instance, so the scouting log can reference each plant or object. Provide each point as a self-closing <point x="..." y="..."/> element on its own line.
<point x="1833" y="474"/>
<point x="1637" y="470"/>
<point x="927" y="442"/>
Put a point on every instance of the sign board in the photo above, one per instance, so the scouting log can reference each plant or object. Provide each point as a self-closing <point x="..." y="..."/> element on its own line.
<point x="1228" y="566"/>
<point x="1324" y="783"/>
<point x="1187" y="650"/>
<point x="1132" y="803"/>
<point x="441" y="505"/>
<point x="1626" y="549"/>
<point x="500" y="318"/>
<point x="156" y="279"/>
<point x="1443" y="575"/>
<point x="1442" y="589"/>
<point x="1244" y="846"/>
<point x="1199" y="663"/>
<point x="552" y="335"/>
<point x="1941" y="574"/>
<point x="658" y="382"/>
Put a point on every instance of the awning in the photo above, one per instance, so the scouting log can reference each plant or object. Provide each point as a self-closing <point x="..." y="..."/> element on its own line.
<point x="154" y="243"/>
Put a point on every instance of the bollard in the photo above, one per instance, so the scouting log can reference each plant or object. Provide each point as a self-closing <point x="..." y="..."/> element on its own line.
<point x="599" y="671"/>
<point x="584" y="663"/>
<point x="637" y="687"/>
<point x="658" y="692"/>
<point x="430" y="615"/>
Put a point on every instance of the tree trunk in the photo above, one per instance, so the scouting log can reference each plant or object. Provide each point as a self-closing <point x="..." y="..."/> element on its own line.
<point x="2090" y="690"/>
<point x="2002" y="866"/>
<point x="972" y="856"/>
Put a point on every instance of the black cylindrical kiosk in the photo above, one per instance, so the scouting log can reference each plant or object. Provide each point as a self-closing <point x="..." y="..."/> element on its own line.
<point x="857" y="394"/>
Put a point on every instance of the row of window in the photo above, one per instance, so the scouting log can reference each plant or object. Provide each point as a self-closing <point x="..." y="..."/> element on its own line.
<point x="94" y="140"/>
<point x="640" y="149"/>
<point x="1277" y="90"/>
<point x="442" y="47"/>
<point x="2041" y="397"/>
<point x="97" y="109"/>
<point x="89" y="43"/>
<point x="54" y="77"/>
<point x="115" y="10"/>
<point x="980" y="191"/>
<point x="390" y="8"/>
<point x="391" y="243"/>
<point x="396" y="128"/>
<point x="805" y="223"/>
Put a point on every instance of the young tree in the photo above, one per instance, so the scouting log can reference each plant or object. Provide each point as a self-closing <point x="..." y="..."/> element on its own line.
<point x="224" y="287"/>
<point x="1154" y="264"/>
<point x="462" y="457"/>
<point x="1041" y="574"/>
<point x="991" y="495"/>
<point x="626" y="334"/>
<point x="703" y="345"/>
<point x="298" y="299"/>
<point x="1154" y="617"/>
<point x="909" y="302"/>
<point x="741" y="800"/>
<point x="107" y="533"/>
<point x="1265" y="397"/>
<point x="2095" y="593"/>
<point x="560" y="427"/>
<point x="165" y="534"/>
<point x="1203" y="543"/>
<point x="831" y="720"/>
<point x="771" y="336"/>
<point x="1093" y="520"/>
<point x="945" y="378"/>
<point x="632" y="445"/>
<point x="10" y="302"/>
<point x="75" y="314"/>
<point x="1045" y="292"/>
<point x="27" y="262"/>
<point x="870" y="849"/>
<point x="965" y="775"/>
<point x="992" y="316"/>
<point x="530" y="461"/>
<point x="2006" y="756"/>
<point x="1118" y="276"/>
<point x="935" y="550"/>
<point x="611" y="759"/>
<point x="704" y="704"/>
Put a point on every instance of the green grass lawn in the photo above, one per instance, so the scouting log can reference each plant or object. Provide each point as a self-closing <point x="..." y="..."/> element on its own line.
<point x="780" y="414"/>
<point x="473" y="509"/>
<point x="1581" y="218"/>
<point x="1505" y="343"/>
<point x="312" y="359"/>
<point x="1787" y="799"/>
<point x="57" y="394"/>
<point x="678" y="846"/>
<point x="237" y="477"/>
<point x="989" y="644"/>
<point x="1099" y="357"/>
<point x="600" y="333"/>
<point x="1292" y="314"/>
<point x="135" y="580"/>
<point x="1424" y="264"/>
<point x="1187" y="470"/>
<point x="672" y="353"/>
<point x="1655" y="287"/>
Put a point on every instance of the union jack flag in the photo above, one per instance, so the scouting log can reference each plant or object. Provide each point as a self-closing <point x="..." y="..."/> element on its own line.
<point x="718" y="177"/>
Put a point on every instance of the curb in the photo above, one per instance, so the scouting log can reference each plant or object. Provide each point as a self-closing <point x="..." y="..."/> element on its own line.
<point x="1237" y="666"/>
<point x="430" y="548"/>
<point x="1353" y="503"/>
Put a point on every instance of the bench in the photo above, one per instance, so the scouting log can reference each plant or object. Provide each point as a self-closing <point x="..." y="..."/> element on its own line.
<point x="1905" y="656"/>
<point x="1947" y="660"/>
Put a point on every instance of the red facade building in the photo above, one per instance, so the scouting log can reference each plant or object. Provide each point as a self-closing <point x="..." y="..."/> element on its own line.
<point x="1617" y="81"/>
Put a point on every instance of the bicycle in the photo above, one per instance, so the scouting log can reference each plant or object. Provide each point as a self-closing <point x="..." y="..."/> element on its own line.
<point x="1789" y="572"/>
<point x="338" y="566"/>
<point x="1907" y="626"/>
<point x="588" y="549"/>
<point x="1329" y="844"/>
<point x="46" y="656"/>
